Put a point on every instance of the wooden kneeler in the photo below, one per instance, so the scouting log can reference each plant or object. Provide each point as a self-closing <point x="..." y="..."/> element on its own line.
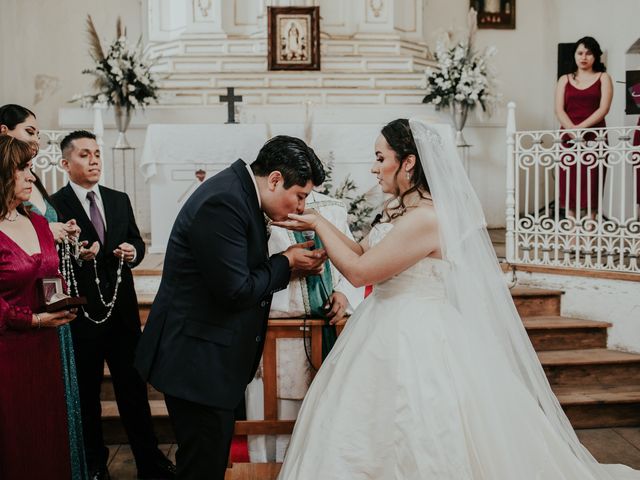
<point x="277" y="328"/>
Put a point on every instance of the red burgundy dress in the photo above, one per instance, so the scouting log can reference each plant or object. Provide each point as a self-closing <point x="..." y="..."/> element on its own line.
<point x="636" y="162"/>
<point x="34" y="440"/>
<point x="579" y="105"/>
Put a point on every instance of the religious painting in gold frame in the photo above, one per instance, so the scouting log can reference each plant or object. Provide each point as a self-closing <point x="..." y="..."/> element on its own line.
<point x="495" y="13"/>
<point x="294" y="38"/>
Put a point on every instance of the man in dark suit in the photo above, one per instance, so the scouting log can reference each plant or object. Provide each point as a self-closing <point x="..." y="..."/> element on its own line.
<point x="102" y="332"/>
<point x="204" y="337"/>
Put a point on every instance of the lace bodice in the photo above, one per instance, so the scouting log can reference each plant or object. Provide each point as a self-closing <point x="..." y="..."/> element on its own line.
<point x="425" y="278"/>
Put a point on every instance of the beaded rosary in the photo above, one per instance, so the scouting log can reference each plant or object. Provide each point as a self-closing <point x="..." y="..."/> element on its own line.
<point x="70" y="250"/>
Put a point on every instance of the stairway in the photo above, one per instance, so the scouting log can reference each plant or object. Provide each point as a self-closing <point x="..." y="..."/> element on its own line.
<point x="597" y="387"/>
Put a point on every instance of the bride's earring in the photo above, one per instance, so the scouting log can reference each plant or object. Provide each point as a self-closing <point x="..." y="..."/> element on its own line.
<point x="408" y="175"/>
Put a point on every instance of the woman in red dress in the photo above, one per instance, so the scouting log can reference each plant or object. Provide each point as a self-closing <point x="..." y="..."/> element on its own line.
<point x="636" y="162"/>
<point x="583" y="99"/>
<point x="33" y="417"/>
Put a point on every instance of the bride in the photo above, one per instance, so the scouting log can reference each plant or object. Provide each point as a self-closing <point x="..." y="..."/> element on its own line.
<point x="434" y="376"/>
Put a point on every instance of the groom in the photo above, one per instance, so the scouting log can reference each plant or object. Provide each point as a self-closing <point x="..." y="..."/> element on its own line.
<point x="204" y="337"/>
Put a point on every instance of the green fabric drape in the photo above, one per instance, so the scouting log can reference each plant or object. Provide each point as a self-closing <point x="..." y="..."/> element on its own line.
<point x="319" y="288"/>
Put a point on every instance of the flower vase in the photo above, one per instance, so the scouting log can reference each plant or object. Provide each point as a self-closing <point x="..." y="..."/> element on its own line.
<point x="459" y="112"/>
<point x="123" y="117"/>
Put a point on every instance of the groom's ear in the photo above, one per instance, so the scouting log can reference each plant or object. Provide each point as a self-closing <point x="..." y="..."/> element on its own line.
<point x="273" y="179"/>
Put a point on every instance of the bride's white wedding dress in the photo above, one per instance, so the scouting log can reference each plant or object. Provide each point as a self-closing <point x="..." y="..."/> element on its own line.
<point x="411" y="392"/>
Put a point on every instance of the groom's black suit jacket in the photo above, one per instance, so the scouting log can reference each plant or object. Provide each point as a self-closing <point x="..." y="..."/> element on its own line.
<point x="205" y="333"/>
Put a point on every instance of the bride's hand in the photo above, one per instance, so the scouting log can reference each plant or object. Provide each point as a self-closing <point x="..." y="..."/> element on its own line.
<point x="307" y="221"/>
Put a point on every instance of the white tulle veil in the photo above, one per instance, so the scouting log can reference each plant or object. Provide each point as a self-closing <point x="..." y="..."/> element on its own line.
<point x="476" y="285"/>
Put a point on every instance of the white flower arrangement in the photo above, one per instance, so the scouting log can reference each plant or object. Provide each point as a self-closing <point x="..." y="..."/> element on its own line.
<point x="123" y="75"/>
<point x="463" y="76"/>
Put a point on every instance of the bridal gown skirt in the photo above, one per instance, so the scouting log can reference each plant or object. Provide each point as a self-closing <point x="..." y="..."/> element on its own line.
<point x="407" y="393"/>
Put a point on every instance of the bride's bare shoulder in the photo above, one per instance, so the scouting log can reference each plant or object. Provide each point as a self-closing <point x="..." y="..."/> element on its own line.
<point x="422" y="215"/>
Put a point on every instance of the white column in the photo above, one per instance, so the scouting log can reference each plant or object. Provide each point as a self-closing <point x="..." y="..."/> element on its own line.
<point x="205" y="17"/>
<point x="510" y="241"/>
<point x="166" y="19"/>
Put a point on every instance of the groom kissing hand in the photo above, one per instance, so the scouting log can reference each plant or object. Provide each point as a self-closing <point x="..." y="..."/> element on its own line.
<point x="205" y="333"/>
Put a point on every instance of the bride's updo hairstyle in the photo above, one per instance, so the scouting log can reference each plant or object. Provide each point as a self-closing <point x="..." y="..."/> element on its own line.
<point x="398" y="135"/>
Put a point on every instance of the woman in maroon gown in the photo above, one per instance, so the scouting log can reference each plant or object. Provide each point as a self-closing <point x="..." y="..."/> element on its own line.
<point x="583" y="99"/>
<point x="636" y="162"/>
<point x="33" y="418"/>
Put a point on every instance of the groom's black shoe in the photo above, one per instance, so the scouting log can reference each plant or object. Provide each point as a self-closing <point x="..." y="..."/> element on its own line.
<point x="162" y="470"/>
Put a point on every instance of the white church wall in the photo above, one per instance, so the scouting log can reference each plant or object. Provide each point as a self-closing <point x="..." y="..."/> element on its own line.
<point x="44" y="49"/>
<point x="44" y="43"/>
<point x="527" y="56"/>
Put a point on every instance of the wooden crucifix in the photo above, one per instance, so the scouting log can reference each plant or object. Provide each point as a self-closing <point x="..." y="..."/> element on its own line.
<point x="231" y="100"/>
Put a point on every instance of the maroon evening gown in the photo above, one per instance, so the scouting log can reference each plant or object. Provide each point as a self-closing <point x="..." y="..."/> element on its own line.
<point x="34" y="441"/>
<point x="579" y="105"/>
<point x="636" y="162"/>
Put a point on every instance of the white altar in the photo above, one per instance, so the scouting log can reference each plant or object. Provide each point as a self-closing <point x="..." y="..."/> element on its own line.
<point x="173" y="153"/>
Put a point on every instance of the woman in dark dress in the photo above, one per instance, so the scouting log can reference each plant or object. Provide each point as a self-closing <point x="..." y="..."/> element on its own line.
<point x="34" y="433"/>
<point x="583" y="99"/>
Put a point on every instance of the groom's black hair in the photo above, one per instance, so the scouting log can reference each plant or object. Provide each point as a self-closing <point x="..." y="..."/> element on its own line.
<point x="294" y="159"/>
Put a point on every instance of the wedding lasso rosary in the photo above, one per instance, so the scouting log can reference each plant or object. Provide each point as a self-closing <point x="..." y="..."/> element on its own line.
<point x="71" y="248"/>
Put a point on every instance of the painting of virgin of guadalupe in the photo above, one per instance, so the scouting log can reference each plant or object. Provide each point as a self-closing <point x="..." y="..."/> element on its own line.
<point x="294" y="38"/>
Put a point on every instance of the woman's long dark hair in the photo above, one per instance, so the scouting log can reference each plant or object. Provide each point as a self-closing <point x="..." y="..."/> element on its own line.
<point x="11" y="115"/>
<point x="398" y="135"/>
<point x="593" y="46"/>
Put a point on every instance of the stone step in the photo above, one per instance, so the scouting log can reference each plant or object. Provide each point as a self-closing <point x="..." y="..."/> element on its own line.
<point x="344" y="65"/>
<point x="529" y="301"/>
<point x="249" y="80"/>
<point x="586" y="407"/>
<point x="253" y="471"/>
<point x="551" y="332"/>
<point x="536" y="301"/>
<point x="591" y="367"/>
<point x="113" y="430"/>
<point x="107" y="393"/>
<point x="332" y="49"/>
<point x="296" y="96"/>
<point x="144" y="307"/>
<point x="601" y="406"/>
<point x="596" y="387"/>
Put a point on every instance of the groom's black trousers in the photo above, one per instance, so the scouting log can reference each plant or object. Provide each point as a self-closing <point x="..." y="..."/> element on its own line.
<point x="204" y="437"/>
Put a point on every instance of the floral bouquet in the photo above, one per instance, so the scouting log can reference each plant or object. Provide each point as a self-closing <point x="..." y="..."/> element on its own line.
<point x="123" y="75"/>
<point x="464" y="76"/>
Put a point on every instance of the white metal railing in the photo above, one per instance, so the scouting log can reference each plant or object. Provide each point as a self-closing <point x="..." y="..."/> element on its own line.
<point x="572" y="197"/>
<point x="47" y="163"/>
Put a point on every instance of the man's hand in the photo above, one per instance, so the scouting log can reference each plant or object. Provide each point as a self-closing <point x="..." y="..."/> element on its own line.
<point x="305" y="262"/>
<point x="89" y="253"/>
<point x="72" y="229"/>
<point x="337" y="306"/>
<point x="126" y="251"/>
